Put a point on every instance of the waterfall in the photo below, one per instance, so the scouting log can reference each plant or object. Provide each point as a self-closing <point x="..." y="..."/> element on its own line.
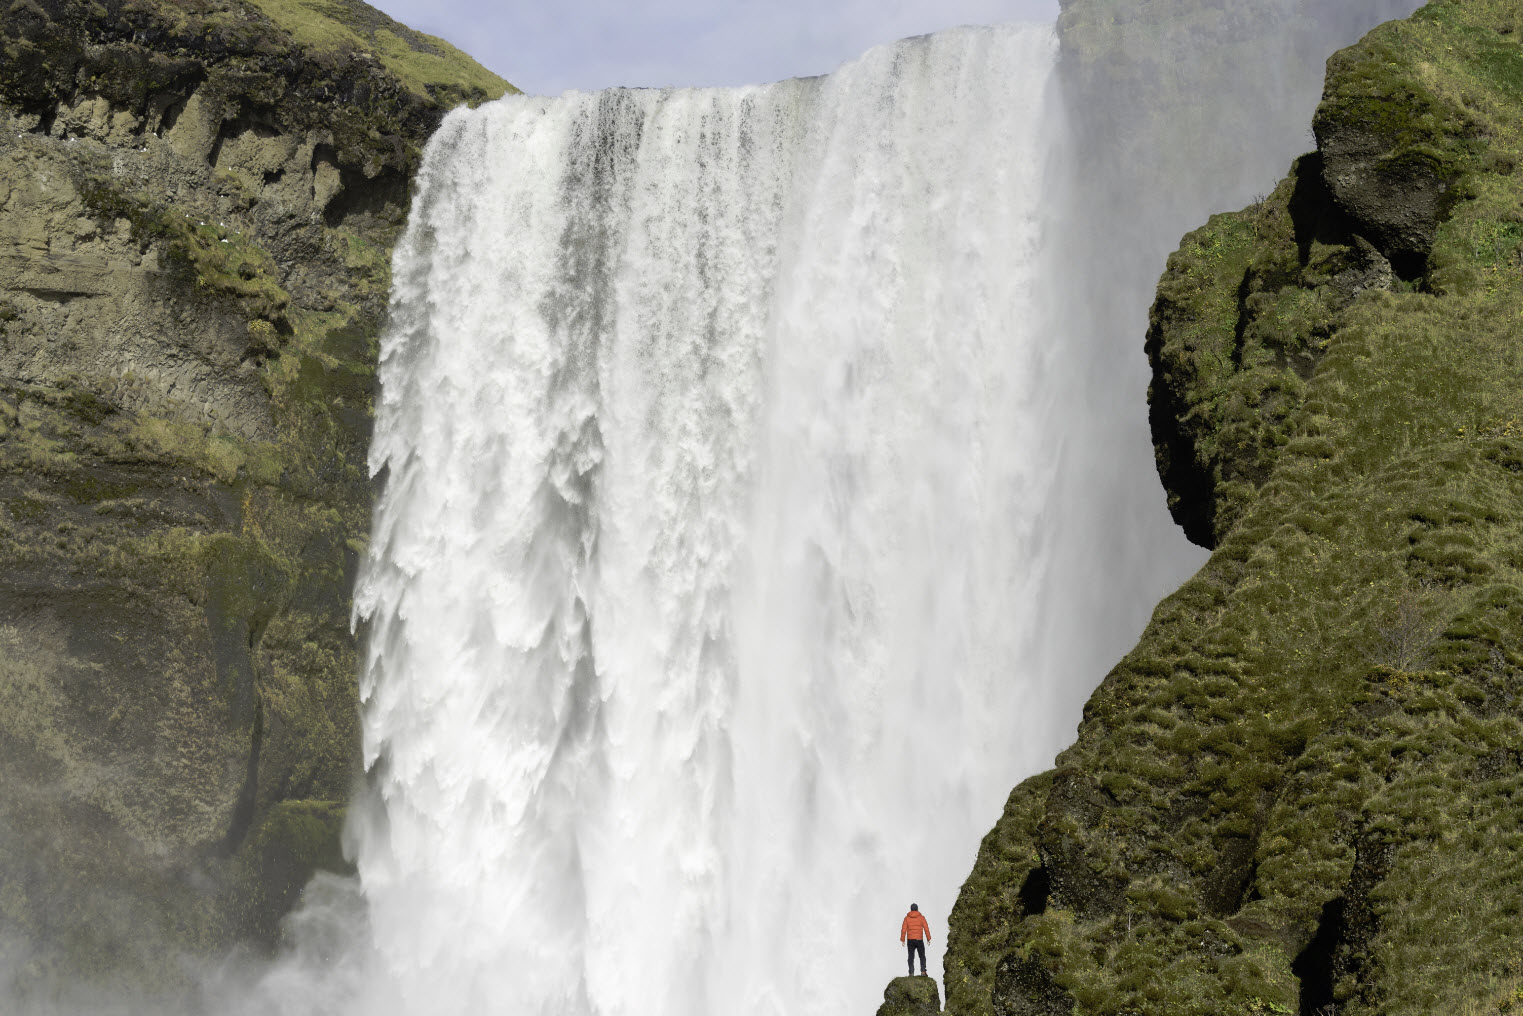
<point x="704" y="594"/>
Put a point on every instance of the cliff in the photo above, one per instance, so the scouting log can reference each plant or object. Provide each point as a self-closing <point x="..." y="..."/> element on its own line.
<point x="1299" y="793"/>
<point x="199" y="200"/>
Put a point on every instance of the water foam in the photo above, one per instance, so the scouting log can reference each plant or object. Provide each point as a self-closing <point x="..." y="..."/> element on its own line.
<point x="703" y="590"/>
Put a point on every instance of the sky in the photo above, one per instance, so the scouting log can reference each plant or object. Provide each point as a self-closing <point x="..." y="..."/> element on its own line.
<point x="549" y="46"/>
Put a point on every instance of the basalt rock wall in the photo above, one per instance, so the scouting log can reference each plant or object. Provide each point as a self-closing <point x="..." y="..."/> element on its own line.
<point x="197" y="206"/>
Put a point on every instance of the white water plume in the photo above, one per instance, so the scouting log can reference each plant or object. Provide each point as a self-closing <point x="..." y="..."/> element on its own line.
<point x="703" y="589"/>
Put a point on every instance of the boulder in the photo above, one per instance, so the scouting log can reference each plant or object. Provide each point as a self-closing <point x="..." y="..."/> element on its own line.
<point x="911" y="996"/>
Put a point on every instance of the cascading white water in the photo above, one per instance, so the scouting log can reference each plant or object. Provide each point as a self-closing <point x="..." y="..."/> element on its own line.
<point x="702" y="592"/>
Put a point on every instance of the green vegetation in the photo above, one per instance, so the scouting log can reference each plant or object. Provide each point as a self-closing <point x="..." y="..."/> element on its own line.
<point x="220" y="262"/>
<point x="428" y="65"/>
<point x="1505" y="996"/>
<point x="995" y="899"/>
<point x="184" y="421"/>
<point x="911" y="996"/>
<point x="1302" y="788"/>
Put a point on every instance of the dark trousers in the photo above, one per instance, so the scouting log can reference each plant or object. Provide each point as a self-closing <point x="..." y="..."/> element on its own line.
<point x="916" y="946"/>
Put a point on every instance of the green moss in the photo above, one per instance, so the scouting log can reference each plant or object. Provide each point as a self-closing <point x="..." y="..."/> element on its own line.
<point x="429" y="66"/>
<point x="1329" y="710"/>
<point x="222" y="263"/>
<point x="1242" y="315"/>
<point x="309" y="831"/>
<point x="228" y="264"/>
<point x="107" y="203"/>
<point x="911" y="996"/>
<point x="26" y="509"/>
<point x="198" y="581"/>
<point x="244" y="579"/>
<point x="990" y="907"/>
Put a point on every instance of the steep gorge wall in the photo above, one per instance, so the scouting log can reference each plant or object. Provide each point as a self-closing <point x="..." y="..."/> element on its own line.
<point x="1299" y="793"/>
<point x="197" y="206"/>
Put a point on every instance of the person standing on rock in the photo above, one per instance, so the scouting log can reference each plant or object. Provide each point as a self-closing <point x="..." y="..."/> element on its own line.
<point x="915" y="933"/>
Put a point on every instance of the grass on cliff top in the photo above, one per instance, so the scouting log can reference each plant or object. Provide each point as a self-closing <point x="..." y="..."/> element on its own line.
<point x="426" y="64"/>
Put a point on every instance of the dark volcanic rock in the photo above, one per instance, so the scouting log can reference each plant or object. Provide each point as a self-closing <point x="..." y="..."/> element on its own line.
<point x="1024" y="987"/>
<point x="1393" y="150"/>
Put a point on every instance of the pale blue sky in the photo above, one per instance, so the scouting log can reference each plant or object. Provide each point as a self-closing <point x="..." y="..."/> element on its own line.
<point x="548" y="46"/>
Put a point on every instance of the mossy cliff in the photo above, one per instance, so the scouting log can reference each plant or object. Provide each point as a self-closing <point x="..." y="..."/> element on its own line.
<point x="911" y="996"/>
<point x="1302" y="791"/>
<point x="197" y="205"/>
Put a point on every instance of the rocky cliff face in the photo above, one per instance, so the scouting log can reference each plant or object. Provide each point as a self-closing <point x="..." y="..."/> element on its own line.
<point x="1300" y="792"/>
<point x="197" y="205"/>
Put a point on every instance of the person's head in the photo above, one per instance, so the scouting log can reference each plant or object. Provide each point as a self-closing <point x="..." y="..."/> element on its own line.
<point x="914" y="907"/>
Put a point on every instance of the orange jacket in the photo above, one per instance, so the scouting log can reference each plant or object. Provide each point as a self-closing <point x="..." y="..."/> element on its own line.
<point x="914" y="926"/>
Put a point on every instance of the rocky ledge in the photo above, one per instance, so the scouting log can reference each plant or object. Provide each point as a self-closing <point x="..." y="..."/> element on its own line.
<point x="911" y="996"/>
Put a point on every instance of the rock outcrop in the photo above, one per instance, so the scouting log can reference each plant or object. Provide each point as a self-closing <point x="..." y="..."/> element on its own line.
<point x="911" y="996"/>
<point x="197" y="205"/>
<point x="1301" y="791"/>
